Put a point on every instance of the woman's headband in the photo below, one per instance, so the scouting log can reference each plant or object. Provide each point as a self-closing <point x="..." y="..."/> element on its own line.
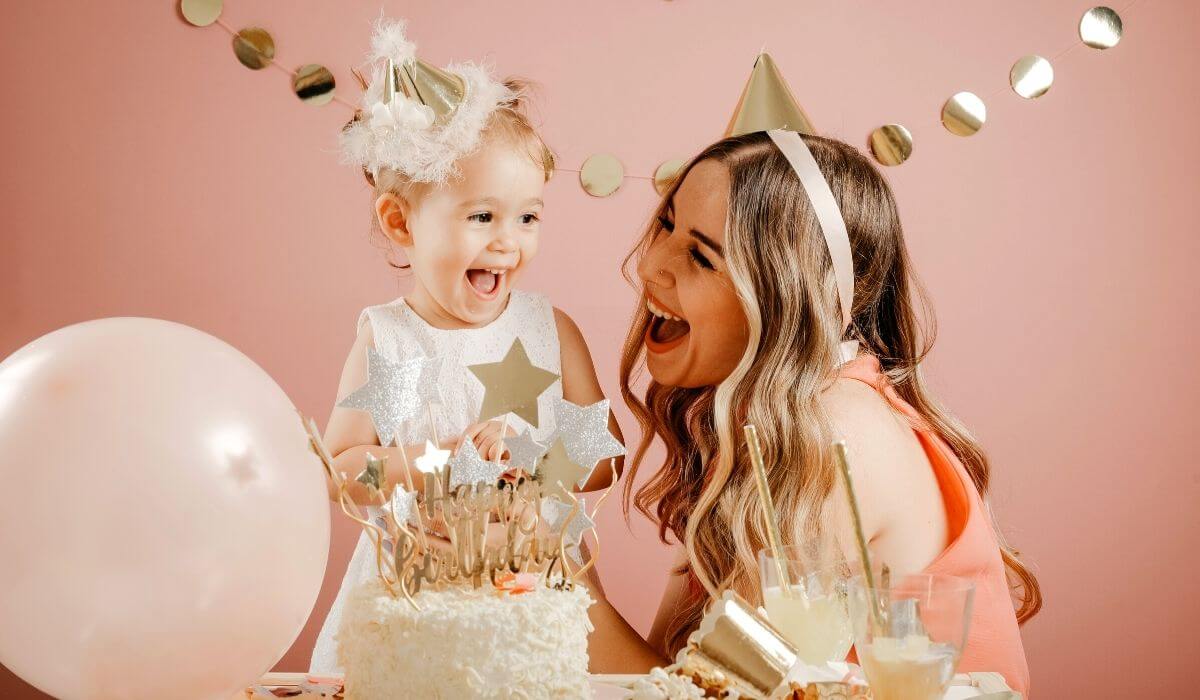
<point x="833" y="227"/>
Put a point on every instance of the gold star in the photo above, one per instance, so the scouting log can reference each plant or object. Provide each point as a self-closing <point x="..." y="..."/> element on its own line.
<point x="512" y="385"/>
<point x="374" y="477"/>
<point x="558" y="473"/>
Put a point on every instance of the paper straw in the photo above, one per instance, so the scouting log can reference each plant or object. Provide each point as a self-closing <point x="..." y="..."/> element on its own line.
<point x="768" y="507"/>
<point x="839" y="449"/>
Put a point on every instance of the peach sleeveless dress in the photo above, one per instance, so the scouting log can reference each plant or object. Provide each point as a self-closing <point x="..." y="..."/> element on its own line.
<point x="994" y="641"/>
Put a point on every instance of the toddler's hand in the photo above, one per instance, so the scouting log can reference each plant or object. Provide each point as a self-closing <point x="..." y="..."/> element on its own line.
<point x="487" y="439"/>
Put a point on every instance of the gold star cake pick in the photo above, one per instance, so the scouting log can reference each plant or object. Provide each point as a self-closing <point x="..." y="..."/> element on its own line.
<point x="512" y="385"/>
<point x="559" y="473"/>
<point x="374" y="476"/>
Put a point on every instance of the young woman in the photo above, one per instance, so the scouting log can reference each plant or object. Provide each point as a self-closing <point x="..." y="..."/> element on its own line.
<point x="741" y="322"/>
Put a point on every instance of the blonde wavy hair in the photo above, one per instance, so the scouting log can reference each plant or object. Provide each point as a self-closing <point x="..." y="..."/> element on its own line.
<point x="704" y="494"/>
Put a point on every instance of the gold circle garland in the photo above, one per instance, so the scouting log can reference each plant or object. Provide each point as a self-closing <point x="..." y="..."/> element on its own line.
<point x="601" y="175"/>
<point x="200" y="13"/>
<point x="665" y="174"/>
<point x="964" y="114"/>
<point x="1031" y="76"/>
<point x="314" y="84"/>
<point x="254" y="48"/>
<point x="891" y="144"/>
<point x="1100" y="28"/>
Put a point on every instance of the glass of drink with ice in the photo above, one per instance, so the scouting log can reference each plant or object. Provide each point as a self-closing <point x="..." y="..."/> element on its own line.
<point x="910" y="632"/>
<point x="811" y="610"/>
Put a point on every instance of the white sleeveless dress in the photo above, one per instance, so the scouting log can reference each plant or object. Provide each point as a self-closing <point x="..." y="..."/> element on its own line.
<point x="401" y="334"/>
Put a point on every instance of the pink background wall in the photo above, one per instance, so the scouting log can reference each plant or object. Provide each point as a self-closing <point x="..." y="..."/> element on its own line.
<point x="146" y="172"/>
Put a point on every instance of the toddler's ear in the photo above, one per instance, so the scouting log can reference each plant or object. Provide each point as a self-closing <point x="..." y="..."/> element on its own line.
<point x="392" y="213"/>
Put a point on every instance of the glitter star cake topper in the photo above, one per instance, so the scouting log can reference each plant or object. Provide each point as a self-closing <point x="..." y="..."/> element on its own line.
<point x="432" y="460"/>
<point x="570" y="527"/>
<point x="393" y="393"/>
<point x="512" y="385"/>
<point x="463" y="500"/>
<point x="524" y="451"/>
<point x="584" y="432"/>
<point x="468" y="467"/>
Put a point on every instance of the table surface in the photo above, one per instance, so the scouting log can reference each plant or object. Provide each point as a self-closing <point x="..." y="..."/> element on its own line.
<point x="612" y="686"/>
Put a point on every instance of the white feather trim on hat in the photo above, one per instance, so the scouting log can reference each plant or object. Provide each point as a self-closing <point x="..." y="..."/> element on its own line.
<point x="402" y="136"/>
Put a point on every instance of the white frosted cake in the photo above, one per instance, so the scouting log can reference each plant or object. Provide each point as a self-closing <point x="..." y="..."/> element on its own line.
<point x="465" y="643"/>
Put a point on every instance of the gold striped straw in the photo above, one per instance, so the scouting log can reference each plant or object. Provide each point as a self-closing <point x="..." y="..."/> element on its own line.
<point x="768" y="507"/>
<point x="839" y="449"/>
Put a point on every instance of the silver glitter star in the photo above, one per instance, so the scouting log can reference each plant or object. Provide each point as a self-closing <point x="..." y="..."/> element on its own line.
<point x="555" y="512"/>
<point x="394" y="392"/>
<point x="403" y="503"/>
<point x="524" y="451"/>
<point x="432" y="460"/>
<point x="584" y="432"/>
<point x="467" y="467"/>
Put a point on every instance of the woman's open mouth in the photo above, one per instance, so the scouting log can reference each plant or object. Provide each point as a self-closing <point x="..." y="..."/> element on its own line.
<point x="666" y="330"/>
<point x="486" y="283"/>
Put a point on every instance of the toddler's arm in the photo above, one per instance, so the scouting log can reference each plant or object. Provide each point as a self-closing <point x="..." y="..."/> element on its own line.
<point x="350" y="434"/>
<point x="580" y="386"/>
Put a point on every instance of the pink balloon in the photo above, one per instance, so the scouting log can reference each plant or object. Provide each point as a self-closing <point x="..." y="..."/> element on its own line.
<point x="164" y="526"/>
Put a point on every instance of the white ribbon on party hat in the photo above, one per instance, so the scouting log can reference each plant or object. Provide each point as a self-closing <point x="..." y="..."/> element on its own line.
<point x="833" y="226"/>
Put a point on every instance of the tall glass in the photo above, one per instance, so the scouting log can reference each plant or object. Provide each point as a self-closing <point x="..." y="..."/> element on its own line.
<point x="910" y="644"/>
<point x="811" y="612"/>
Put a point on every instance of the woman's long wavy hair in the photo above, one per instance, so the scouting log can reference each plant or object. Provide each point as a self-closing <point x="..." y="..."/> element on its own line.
<point x="704" y="494"/>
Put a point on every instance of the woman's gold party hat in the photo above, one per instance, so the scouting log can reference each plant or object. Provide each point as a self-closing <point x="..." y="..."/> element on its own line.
<point x="767" y="103"/>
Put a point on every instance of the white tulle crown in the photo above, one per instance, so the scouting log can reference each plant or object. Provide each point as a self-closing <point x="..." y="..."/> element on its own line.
<point x="417" y="119"/>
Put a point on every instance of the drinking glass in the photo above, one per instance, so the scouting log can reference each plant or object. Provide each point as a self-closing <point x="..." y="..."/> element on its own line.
<point x="909" y="633"/>
<point x="811" y="610"/>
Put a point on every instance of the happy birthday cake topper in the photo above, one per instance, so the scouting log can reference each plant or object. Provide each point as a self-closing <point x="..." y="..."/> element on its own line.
<point x="436" y="533"/>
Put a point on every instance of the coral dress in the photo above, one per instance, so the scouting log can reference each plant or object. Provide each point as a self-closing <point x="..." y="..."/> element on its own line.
<point x="994" y="641"/>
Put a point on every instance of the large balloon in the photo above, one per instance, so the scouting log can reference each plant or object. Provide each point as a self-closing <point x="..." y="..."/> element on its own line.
<point x="163" y="525"/>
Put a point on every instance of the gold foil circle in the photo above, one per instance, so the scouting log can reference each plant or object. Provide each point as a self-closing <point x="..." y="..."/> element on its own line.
<point x="891" y="144"/>
<point x="254" y="47"/>
<point x="601" y="175"/>
<point x="665" y="174"/>
<point x="737" y="638"/>
<point x="964" y="114"/>
<point x="1100" y="28"/>
<point x="1031" y="76"/>
<point x="314" y="84"/>
<point x="200" y="13"/>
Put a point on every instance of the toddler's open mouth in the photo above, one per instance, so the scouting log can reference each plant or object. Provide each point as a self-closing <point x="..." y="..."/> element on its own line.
<point x="486" y="282"/>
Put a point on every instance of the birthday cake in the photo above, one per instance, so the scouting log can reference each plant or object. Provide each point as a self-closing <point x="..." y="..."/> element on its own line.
<point x="466" y="642"/>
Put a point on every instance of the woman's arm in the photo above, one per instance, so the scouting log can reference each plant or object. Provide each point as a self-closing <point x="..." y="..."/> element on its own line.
<point x="904" y="516"/>
<point x="673" y="596"/>
<point x="580" y="386"/>
<point x="614" y="646"/>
